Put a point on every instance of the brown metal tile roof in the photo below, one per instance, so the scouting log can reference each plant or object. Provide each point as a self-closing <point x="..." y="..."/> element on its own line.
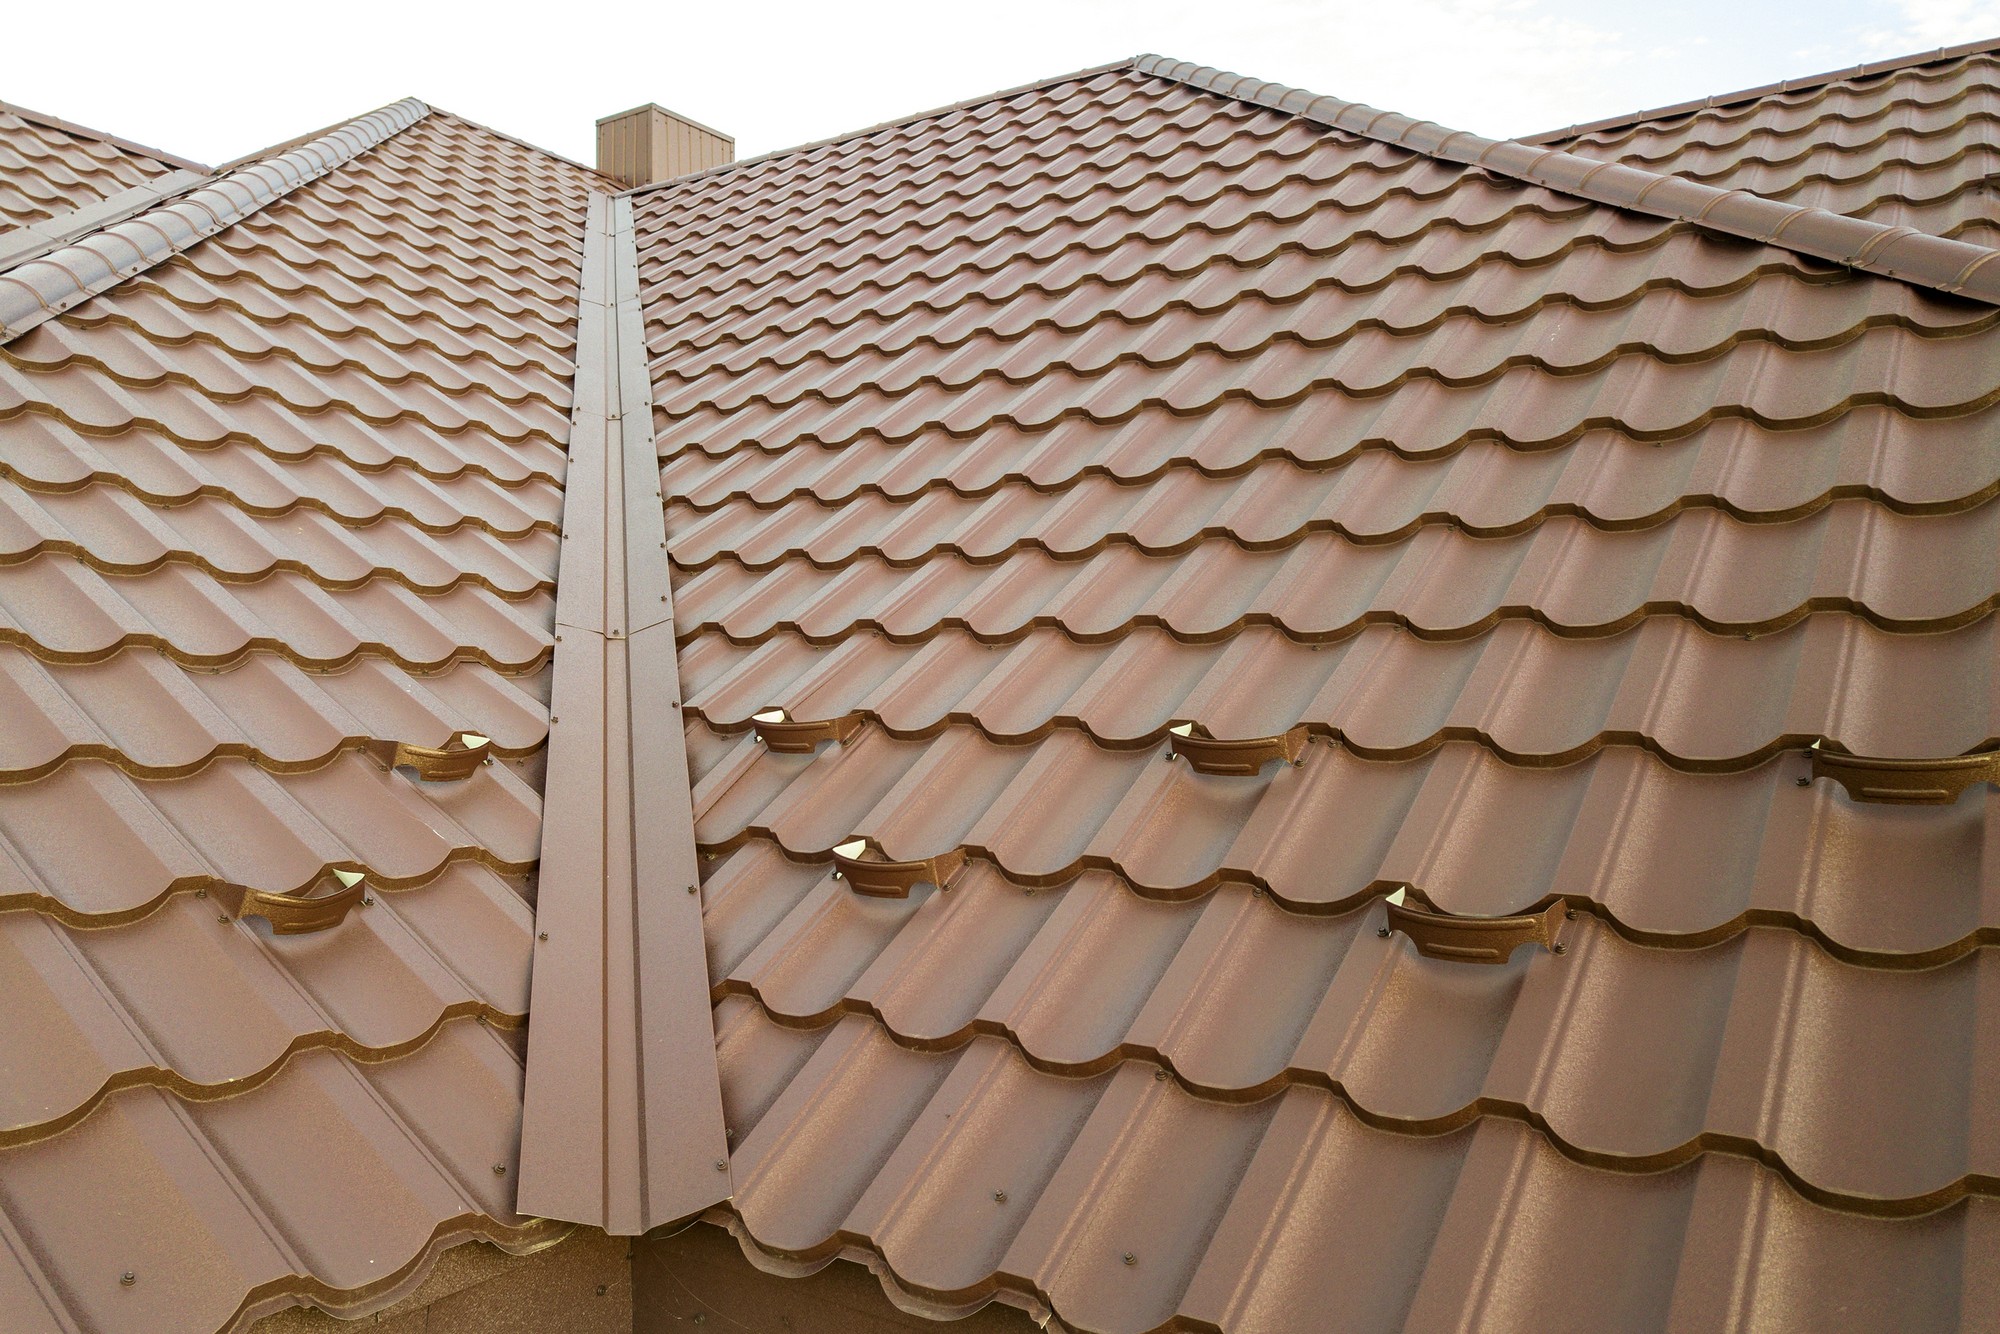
<point x="1009" y="439"/>
<point x="1908" y="142"/>
<point x="272" y="504"/>
<point x="49" y="167"/>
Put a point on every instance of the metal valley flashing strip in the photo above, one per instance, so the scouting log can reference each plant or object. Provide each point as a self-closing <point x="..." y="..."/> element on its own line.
<point x="43" y="288"/>
<point x="623" y="1121"/>
<point x="1956" y="267"/>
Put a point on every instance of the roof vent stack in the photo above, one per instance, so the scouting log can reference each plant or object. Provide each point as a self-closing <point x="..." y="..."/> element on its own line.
<point x="650" y="144"/>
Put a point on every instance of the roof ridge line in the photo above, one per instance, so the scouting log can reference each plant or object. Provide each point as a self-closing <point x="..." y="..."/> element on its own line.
<point x="1958" y="268"/>
<point x="1717" y="101"/>
<point x="159" y="155"/>
<point x="894" y="124"/>
<point x="40" y="289"/>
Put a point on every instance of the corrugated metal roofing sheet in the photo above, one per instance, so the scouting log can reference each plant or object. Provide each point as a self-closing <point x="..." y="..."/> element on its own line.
<point x="1026" y="432"/>
<point x="49" y="167"/>
<point x="1911" y="143"/>
<point x="291" y="492"/>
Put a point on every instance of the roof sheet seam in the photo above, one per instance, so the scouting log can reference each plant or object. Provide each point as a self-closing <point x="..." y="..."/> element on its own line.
<point x="1950" y="266"/>
<point x="622" y="1124"/>
<point x="43" y="288"/>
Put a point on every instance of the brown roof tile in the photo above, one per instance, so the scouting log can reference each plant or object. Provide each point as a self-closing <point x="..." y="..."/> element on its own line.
<point x="1907" y="142"/>
<point x="1026" y="432"/>
<point x="273" y="500"/>
<point x="50" y="167"/>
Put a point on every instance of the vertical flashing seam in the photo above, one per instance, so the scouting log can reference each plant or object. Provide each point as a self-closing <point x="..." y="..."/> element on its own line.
<point x="622" y="1125"/>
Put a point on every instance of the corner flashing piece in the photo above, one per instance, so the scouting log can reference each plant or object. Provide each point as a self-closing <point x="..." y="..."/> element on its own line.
<point x="45" y="287"/>
<point x="623" y="1125"/>
<point x="1957" y="268"/>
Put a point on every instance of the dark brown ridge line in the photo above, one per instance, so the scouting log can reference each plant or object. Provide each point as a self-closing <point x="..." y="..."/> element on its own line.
<point x="320" y="449"/>
<point x="33" y="370"/>
<point x="1239" y="393"/>
<point x="1387" y="537"/>
<point x="209" y="491"/>
<point x="379" y="574"/>
<point x="218" y="296"/>
<point x="802" y="240"/>
<point x="719" y="326"/>
<point x="255" y="644"/>
<point x="733" y="296"/>
<point x="220" y="751"/>
<point x="168" y="1080"/>
<point x="770" y="366"/>
<point x="1975" y="1184"/>
<point x="1435" y="634"/>
<point x="1363" y="899"/>
<point x="891" y="401"/>
<point x="1319" y="730"/>
<point x="424" y="283"/>
<point x="1414" y="271"/>
<point x="199" y="885"/>
<point x="1272" y="454"/>
<point x="120" y="317"/>
<point x="1734" y="106"/>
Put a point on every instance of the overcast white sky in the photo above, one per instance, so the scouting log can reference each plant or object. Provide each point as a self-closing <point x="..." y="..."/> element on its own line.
<point x="213" y="81"/>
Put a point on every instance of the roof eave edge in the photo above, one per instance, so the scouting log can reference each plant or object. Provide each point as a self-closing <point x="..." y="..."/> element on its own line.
<point x="1956" y="268"/>
<point x="43" y="288"/>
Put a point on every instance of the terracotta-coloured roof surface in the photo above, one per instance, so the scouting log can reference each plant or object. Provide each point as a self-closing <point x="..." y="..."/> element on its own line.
<point x="1911" y="143"/>
<point x="49" y="167"/>
<point x="1555" y="540"/>
<point x="291" y="492"/>
<point x="1022" y="433"/>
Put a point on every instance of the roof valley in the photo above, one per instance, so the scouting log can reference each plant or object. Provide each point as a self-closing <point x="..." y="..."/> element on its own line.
<point x="622" y="1126"/>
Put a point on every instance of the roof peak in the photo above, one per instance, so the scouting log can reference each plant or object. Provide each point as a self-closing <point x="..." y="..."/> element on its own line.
<point x="1958" y="268"/>
<point x="1717" y="101"/>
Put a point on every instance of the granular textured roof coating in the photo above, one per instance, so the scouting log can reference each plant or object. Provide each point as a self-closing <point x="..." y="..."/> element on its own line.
<point x="1024" y="433"/>
<point x="289" y="493"/>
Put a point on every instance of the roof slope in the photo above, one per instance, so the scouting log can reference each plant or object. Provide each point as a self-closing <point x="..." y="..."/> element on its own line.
<point x="49" y="167"/>
<point x="287" y="495"/>
<point x="1912" y="142"/>
<point x="1020" y="433"/>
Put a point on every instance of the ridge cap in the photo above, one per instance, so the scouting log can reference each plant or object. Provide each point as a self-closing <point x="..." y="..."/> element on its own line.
<point x="1956" y="268"/>
<point x="40" y="289"/>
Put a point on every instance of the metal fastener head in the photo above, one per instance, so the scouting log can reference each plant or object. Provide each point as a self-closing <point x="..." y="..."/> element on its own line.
<point x="603" y="1288"/>
<point x="1570" y="913"/>
<point x="499" y="1169"/>
<point x="691" y="889"/>
<point x="1159" y="1076"/>
<point x="1559" y="948"/>
<point x="201" y="893"/>
<point x="1131" y="1259"/>
<point x="541" y="935"/>
<point x="1382" y="931"/>
<point x="999" y="1197"/>
<point x="128" y="1278"/>
<point x="1803" y="782"/>
<point x="722" y="1164"/>
<point x="367" y="900"/>
<point x="223" y="918"/>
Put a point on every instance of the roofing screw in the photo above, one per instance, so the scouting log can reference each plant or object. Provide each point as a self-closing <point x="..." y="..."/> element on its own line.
<point x="201" y="893"/>
<point x="602" y="1289"/>
<point x="367" y="900"/>
<point x="499" y="1169"/>
<point x="1570" y="913"/>
<point x="1159" y="1076"/>
<point x="699" y="1318"/>
<point x="691" y="889"/>
<point x="223" y="918"/>
<point x="1171" y="757"/>
<point x="1382" y="931"/>
<point x="722" y="1164"/>
<point x="541" y="935"/>
<point x="1131" y="1259"/>
<point x="1559" y="948"/>
<point x="128" y="1278"/>
<point x="999" y="1197"/>
<point x="1803" y="782"/>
